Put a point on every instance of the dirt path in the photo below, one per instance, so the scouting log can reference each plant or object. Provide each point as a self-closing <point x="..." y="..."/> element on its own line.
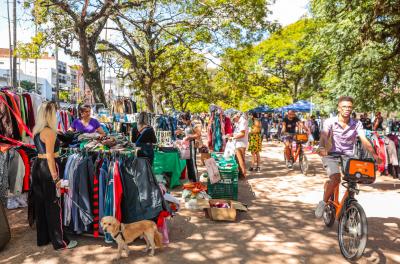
<point x="280" y="226"/>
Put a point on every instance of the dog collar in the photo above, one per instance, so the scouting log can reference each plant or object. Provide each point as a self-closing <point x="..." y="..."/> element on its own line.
<point x="120" y="233"/>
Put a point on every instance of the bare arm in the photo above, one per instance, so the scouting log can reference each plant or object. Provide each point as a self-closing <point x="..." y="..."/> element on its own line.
<point x="101" y="131"/>
<point x="196" y="135"/>
<point x="323" y="141"/>
<point x="302" y="126"/>
<point x="369" y="147"/>
<point x="241" y="134"/>
<point x="283" y="127"/>
<point x="49" y="138"/>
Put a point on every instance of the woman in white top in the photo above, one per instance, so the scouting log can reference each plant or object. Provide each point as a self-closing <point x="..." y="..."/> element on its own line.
<point x="240" y="137"/>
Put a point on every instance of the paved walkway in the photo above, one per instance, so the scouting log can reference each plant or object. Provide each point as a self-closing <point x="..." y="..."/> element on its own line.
<point x="280" y="226"/>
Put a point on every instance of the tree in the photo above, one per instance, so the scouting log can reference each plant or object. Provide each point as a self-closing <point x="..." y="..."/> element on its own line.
<point x="153" y="38"/>
<point x="188" y="83"/>
<point x="27" y="85"/>
<point x="286" y="58"/>
<point x="360" y="42"/>
<point x="65" y="23"/>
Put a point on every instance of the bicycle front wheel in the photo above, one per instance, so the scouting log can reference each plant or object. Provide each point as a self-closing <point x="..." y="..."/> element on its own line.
<point x="353" y="232"/>
<point x="303" y="164"/>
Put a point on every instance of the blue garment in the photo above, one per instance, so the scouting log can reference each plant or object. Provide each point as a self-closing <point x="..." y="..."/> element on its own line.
<point x="81" y="195"/>
<point x="102" y="189"/>
<point x="217" y="135"/>
<point x="109" y="197"/>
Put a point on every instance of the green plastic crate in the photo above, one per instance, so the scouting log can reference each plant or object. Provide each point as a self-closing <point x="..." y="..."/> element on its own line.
<point x="226" y="188"/>
<point x="222" y="190"/>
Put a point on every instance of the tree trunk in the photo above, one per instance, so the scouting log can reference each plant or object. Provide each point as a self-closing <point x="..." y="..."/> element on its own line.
<point x="93" y="79"/>
<point x="149" y="101"/>
<point x="90" y="67"/>
<point x="295" y="92"/>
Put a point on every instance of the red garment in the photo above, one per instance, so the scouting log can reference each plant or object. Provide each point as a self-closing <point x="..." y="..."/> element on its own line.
<point x="228" y="126"/>
<point x="30" y="114"/>
<point x="27" y="164"/>
<point x="16" y="114"/>
<point x="16" y="110"/>
<point x="380" y="149"/>
<point x="161" y="218"/>
<point x="96" y="220"/>
<point x="117" y="192"/>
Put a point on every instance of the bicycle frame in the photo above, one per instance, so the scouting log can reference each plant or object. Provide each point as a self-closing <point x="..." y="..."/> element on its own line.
<point x="339" y="206"/>
<point x="295" y="153"/>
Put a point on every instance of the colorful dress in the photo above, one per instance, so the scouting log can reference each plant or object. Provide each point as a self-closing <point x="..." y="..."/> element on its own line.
<point x="255" y="140"/>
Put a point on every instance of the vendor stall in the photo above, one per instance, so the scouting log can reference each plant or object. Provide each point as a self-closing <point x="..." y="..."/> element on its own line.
<point x="169" y="162"/>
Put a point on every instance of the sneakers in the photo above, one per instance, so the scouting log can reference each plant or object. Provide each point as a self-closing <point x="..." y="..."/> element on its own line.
<point x="319" y="211"/>
<point x="251" y="169"/>
<point x="258" y="169"/>
<point x="72" y="244"/>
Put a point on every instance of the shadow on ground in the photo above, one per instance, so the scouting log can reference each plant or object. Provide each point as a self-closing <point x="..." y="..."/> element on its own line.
<point x="274" y="230"/>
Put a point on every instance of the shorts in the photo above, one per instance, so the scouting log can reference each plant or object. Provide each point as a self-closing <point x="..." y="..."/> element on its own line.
<point x="332" y="165"/>
<point x="288" y="138"/>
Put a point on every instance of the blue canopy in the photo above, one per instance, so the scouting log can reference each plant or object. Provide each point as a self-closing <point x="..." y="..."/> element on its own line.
<point x="299" y="106"/>
<point x="261" y="109"/>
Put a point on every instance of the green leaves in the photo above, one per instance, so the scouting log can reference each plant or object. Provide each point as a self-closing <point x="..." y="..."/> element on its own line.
<point x="362" y="50"/>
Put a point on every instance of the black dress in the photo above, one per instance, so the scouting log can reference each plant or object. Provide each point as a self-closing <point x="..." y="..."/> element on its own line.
<point x="46" y="203"/>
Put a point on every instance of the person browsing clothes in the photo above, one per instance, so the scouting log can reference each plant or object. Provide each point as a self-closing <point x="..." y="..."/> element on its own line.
<point x="192" y="132"/>
<point x="85" y="123"/>
<point x="146" y="139"/>
<point x="46" y="181"/>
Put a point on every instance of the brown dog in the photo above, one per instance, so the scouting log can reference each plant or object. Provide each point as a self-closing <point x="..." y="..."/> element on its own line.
<point x="124" y="234"/>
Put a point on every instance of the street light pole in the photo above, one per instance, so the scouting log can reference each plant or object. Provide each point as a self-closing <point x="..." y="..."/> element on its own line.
<point x="14" y="63"/>
<point x="36" y="77"/>
<point x="57" y="76"/>
<point x="10" y="44"/>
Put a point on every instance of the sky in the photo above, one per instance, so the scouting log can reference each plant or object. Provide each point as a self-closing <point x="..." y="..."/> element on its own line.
<point x="284" y="11"/>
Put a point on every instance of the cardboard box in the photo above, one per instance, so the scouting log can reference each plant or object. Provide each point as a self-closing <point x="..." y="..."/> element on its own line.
<point x="220" y="214"/>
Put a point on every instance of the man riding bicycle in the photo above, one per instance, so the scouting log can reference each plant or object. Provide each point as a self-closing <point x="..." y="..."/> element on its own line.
<point x="339" y="135"/>
<point x="289" y="125"/>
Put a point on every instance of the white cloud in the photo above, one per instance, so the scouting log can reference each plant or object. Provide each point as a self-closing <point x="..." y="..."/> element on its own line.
<point x="288" y="11"/>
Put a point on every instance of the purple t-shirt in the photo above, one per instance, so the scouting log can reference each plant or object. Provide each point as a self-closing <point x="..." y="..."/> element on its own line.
<point x="90" y="128"/>
<point x="343" y="139"/>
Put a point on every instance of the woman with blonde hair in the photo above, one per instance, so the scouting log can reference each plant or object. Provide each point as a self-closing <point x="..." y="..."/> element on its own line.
<point x="46" y="180"/>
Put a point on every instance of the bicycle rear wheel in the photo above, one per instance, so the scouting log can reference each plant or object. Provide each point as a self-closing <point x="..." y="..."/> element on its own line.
<point x="303" y="163"/>
<point x="353" y="232"/>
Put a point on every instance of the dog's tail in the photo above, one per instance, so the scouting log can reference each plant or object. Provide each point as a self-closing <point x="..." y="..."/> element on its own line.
<point x="158" y="237"/>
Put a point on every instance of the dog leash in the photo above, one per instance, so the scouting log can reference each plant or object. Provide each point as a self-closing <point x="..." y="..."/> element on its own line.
<point x="87" y="214"/>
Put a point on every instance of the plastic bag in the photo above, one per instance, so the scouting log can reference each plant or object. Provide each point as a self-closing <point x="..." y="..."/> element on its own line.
<point x="184" y="153"/>
<point x="229" y="150"/>
<point x="184" y="150"/>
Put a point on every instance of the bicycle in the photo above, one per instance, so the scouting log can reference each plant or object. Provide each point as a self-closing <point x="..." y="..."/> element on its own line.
<point x="353" y="226"/>
<point x="297" y="152"/>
